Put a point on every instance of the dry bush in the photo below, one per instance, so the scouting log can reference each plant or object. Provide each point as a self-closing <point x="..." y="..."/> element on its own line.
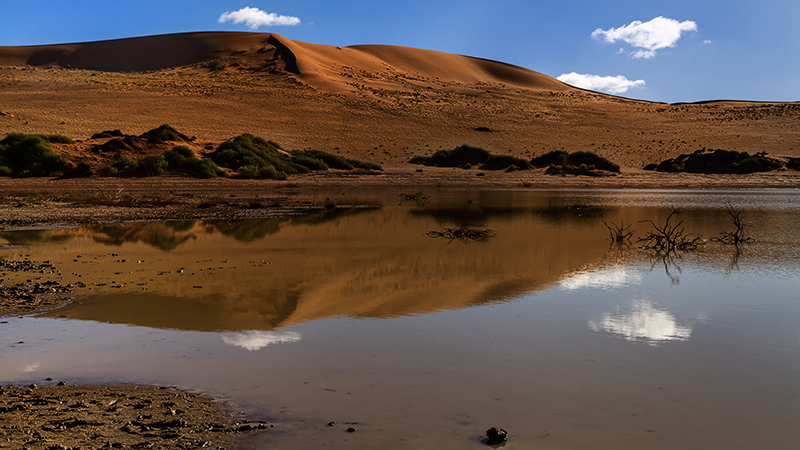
<point x="670" y="236"/>
<point x="737" y="236"/>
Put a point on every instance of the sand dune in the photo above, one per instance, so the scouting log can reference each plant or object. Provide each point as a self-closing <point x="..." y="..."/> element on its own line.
<point x="316" y="64"/>
<point x="375" y="102"/>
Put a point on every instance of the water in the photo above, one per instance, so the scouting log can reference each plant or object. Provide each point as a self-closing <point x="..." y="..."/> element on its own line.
<point x="357" y="317"/>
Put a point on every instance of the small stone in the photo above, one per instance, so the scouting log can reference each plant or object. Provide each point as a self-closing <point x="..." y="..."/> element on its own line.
<point x="496" y="436"/>
<point x="351" y="430"/>
<point x="330" y="424"/>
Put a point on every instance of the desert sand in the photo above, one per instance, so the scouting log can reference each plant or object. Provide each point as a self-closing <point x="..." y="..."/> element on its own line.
<point x="383" y="104"/>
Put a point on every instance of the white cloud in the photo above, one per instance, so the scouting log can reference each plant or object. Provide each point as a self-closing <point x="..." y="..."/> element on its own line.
<point x="613" y="85"/>
<point x="255" y="18"/>
<point x="647" y="36"/>
<point x="256" y="340"/>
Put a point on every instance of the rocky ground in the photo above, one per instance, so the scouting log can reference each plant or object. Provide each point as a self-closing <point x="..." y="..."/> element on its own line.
<point x="62" y="416"/>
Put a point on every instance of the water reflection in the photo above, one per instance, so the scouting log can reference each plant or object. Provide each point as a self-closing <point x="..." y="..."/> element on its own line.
<point x="606" y="278"/>
<point x="642" y="321"/>
<point x="165" y="236"/>
<point x="256" y="340"/>
<point x="541" y="324"/>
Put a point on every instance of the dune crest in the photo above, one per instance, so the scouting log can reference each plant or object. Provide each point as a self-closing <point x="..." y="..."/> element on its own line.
<point x="322" y="66"/>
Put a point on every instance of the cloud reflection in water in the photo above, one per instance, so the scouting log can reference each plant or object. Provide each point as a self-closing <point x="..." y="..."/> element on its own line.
<point x="256" y="340"/>
<point x="611" y="278"/>
<point x="643" y="322"/>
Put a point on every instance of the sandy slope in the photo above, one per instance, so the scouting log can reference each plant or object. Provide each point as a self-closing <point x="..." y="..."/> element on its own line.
<point x="380" y="103"/>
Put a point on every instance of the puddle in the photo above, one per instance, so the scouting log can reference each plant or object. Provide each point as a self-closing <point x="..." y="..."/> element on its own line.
<point x="358" y="317"/>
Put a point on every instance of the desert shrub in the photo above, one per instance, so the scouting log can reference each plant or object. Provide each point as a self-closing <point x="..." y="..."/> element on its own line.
<point x="364" y="165"/>
<point x="793" y="163"/>
<point x="179" y="156"/>
<point x="309" y="162"/>
<point x="756" y="163"/>
<point x="107" y="134"/>
<point x="30" y="155"/>
<point x="592" y="159"/>
<point x="467" y="156"/>
<point x="464" y="154"/>
<point x="339" y="162"/>
<point x="164" y="133"/>
<point x="152" y="165"/>
<point x="123" y="164"/>
<point x="558" y="157"/>
<point x="254" y="157"/>
<point x="182" y="157"/>
<point x="499" y="162"/>
<point x="332" y="161"/>
<point x="719" y="162"/>
<point x="82" y="170"/>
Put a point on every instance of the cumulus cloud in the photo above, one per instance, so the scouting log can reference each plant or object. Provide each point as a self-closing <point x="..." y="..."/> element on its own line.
<point x="647" y="36"/>
<point x="254" y="18"/>
<point x="613" y="85"/>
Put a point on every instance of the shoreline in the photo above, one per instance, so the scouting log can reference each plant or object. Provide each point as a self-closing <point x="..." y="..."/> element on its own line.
<point x="40" y="202"/>
<point x="61" y="416"/>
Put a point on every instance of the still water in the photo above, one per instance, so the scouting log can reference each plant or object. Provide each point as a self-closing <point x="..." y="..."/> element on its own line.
<point x="355" y="316"/>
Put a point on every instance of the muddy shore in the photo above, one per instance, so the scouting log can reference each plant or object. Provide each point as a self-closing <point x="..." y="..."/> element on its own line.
<point x="61" y="416"/>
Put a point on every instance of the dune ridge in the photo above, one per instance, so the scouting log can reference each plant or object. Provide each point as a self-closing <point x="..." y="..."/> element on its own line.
<point x="314" y="63"/>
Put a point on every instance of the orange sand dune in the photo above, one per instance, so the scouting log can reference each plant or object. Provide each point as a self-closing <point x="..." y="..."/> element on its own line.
<point x="379" y="103"/>
<point x="316" y="64"/>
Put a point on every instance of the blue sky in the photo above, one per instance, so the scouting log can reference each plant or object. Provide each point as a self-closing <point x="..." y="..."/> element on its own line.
<point x="724" y="49"/>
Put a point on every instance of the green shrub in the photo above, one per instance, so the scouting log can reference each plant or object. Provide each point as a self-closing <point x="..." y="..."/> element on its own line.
<point x="592" y="159"/>
<point x="124" y="163"/>
<point x="555" y="157"/>
<point x="182" y="157"/>
<point x="467" y="156"/>
<point x="719" y="162"/>
<point x="254" y="157"/>
<point x="332" y="161"/>
<point x="82" y="170"/>
<point x="499" y="162"/>
<point x="164" y="133"/>
<point x="152" y="165"/>
<point x="31" y="155"/>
